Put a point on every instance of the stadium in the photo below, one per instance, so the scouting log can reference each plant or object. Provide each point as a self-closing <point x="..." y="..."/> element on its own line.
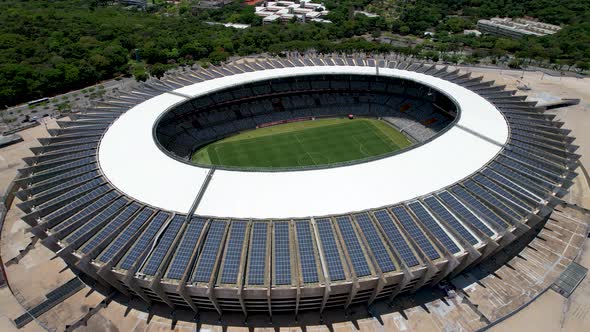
<point x="434" y="172"/>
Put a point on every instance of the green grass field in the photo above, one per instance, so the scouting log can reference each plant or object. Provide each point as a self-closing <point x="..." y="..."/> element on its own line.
<point x="305" y="143"/>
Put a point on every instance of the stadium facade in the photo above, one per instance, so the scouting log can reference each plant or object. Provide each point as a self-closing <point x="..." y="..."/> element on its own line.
<point x="113" y="194"/>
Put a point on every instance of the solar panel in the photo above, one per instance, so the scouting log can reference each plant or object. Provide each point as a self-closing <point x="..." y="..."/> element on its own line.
<point x="68" y="196"/>
<point x="47" y="183"/>
<point x="427" y="220"/>
<point x="258" y="257"/>
<point x="416" y="233"/>
<point x="208" y="256"/>
<point x="544" y="147"/>
<point x="144" y="240"/>
<point x="98" y="220"/>
<point x="266" y="65"/>
<point x="535" y="138"/>
<point x="330" y="249"/>
<point x="185" y="248"/>
<point x="110" y="228"/>
<point x="539" y="166"/>
<point x="375" y="244"/>
<point x="69" y="156"/>
<point x="543" y="151"/>
<point x="73" y="164"/>
<point x="70" y="148"/>
<point x="306" y="254"/>
<point x="396" y="238"/>
<point x="514" y="201"/>
<point x="523" y="194"/>
<point x="233" y="252"/>
<point x="125" y="237"/>
<point x="445" y="215"/>
<point x="296" y="62"/>
<point x="282" y="255"/>
<point x="73" y="141"/>
<point x="54" y="297"/>
<point x="517" y="144"/>
<point x="92" y="208"/>
<point x="493" y="201"/>
<point x="479" y="207"/>
<point x="355" y="252"/>
<point x="257" y="65"/>
<point x="524" y="169"/>
<point x="164" y="243"/>
<point x="539" y="187"/>
<point x="79" y="133"/>
<point x="70" y="183"/>
<point x="459" y="209"/>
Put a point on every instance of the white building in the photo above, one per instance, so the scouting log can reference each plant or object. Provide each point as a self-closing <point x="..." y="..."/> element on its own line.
<point x="516" y="28"/>
<point x="284" y="11"/>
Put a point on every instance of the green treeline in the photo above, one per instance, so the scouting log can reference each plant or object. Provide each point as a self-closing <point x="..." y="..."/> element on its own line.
<point x="48" y="47"/>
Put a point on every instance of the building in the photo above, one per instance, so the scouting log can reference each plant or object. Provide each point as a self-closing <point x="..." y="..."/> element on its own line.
<point x="136" y="3"/>
<point x="367" y="14"/>
<point x="231" y="25"/>
<point x="112" y="193"/>
<point x="516" y="28"/>
<point x="212" y="4"/>
<point x="475" y="33"/>
<point x="284" y="11"/>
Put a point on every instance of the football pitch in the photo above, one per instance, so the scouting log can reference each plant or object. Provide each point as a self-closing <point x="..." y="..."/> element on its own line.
<point x="304" y="143"/>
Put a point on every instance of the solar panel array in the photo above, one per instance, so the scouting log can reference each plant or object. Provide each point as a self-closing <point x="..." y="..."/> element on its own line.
<point x="145" y="239"/>
<point x="110" y="228"/>
<point x="445" y="215"/>
<point x="185" y="248"/>
<point x="431" y="224"/>
<point x="478" y="206"/>
<point x="282" y="253"/>
<point x="540" y="188"/>
<point x="126" y="236"/>
<point x="67" y="166"/>
<point x="58" y="214"/>
<point x="306" y="252"/>
<point x="330" y="249"/>
<point x="535" y="164"/>
<point x="96" y="205"/>
<point x="493" y="200"/>
<point x="377" y="247"/>
<point x="49" y="183"/>
<point x="70" y="183"/>
<point x="163" y="245"/>
<point x="355" y="251"/>
<point x="416" y="233"/>
<point x="523" y="194"/>
<point x="396" y="238"/>
<point x="488" y="184"/>
<point x="99" y="219"/>
<point x="233" y="252"/>
<point x="521" y="168"/>
<point x="258" y="256"/>
<point x="461" y="210"/>
<point x="208" y="256"/>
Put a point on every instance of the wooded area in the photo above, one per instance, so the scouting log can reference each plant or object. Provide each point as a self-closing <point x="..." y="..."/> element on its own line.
<point x="48" y="47"/>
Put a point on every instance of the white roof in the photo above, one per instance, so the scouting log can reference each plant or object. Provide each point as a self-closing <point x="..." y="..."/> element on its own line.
<point x="132" y="162"/>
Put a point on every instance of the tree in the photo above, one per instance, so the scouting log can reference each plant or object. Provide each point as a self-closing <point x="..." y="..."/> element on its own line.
<point x="158" y="70"/>
<point x="583" y="65"/>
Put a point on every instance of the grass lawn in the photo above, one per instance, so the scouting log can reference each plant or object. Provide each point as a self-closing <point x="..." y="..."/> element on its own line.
<point x="305" y="143"/>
